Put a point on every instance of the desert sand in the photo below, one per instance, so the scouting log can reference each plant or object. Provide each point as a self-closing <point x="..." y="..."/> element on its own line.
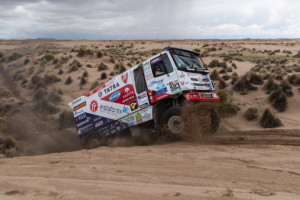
<point x="241" y="161"/>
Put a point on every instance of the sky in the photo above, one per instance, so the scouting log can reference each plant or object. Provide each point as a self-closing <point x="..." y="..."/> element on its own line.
<point x="149" y="19"/>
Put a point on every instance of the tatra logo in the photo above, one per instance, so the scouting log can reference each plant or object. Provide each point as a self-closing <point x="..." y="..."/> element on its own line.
<point x="94" y="106"/>
<point x="124" y="77"/>
<point x="111" y="87"/>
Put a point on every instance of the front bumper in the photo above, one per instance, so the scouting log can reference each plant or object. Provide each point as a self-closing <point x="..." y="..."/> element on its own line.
<point x="201" y="96"/>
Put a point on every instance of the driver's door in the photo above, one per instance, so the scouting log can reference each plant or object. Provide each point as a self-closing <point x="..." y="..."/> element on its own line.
<point x="161" y="78"/>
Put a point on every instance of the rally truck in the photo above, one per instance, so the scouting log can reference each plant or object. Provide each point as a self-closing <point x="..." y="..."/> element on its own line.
<point x="151" y="94"/>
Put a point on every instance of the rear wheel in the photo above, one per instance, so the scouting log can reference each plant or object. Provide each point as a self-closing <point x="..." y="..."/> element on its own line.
<point x="93" y="141"/>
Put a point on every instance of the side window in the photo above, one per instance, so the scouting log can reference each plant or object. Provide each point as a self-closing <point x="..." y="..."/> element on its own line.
<point x="161" y="65"/>
<point x="139" y="79"/>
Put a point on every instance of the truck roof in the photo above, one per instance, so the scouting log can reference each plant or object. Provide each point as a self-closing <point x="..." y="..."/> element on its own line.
<point x="180" y="49"/>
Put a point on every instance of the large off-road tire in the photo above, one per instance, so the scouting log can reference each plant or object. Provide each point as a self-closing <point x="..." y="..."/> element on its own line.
<point x="200" y="119"/>
<point x="172" y="123"/>
<point x="93" y="141"/>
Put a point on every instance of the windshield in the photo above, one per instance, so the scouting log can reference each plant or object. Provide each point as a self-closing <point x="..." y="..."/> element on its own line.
<point x="187" y="61"/>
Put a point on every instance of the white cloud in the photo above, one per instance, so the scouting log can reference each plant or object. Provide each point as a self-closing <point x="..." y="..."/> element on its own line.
<point x="142" y="19"/>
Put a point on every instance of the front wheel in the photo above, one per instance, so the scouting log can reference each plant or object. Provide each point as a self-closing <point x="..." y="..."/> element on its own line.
<point x="173" y="124"/>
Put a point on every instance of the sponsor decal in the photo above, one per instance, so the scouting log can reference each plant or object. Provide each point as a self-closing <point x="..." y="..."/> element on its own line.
<point x="110" y="110"/>
<point x="140" y="118"/>
<point x="143" y="95"/>
<point x="78" y="112"/>
<point x="115" y="96"/>
<point x="161" y="89"/>
<point x="125" y="110"/>
<point x="97" y="119"/>
<point x="79" y="106"/>
<point x="156" y="82"/>
<point x="124" y="77"/>
<point x="128" y="119"/>
<point x="99" y="124"/>
<point x="76" y="101"/>
<point x="127" y="99"/>
<point x="85" y="129"/>
<point x="80" y="117"/>
<point x="83" y="122"/>
<point x="174" y="86"/>
<point x="100" y="94"/>
<point x="144" y="105"/>
<point x="94" y="106"/>
<point x="111" y="87"/>
<point x="133" y="105"/>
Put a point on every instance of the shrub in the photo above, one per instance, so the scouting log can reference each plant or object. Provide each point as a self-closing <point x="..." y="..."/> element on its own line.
<point x="55" y="61"/>
<point x="297" y="55"/>
<point x="294" y="79"/>
<point x="45" y="106"/>
<point x="13" y="57"/>
<point x="278" y="100"/>
<point x="225" y="107"/>
<point x="270" y="85"/>
<point x="1" y="55"/>
<point x="268" y="120"/>
<point x="85" y="74"/>
<point x="39" y="94"/>
<point x="99" y="54"/>
<point x="102" y="67"/>
<point x="60" y="71"/>
<point x="74" y="66"/>
<point x="243" y="85"/>
<point x="82" y="80"/>
<point x="214" y="63"/>
<point x="256" y="79"/>
<point x="214" y="75"/>
<point x="119" y="67"/>
<point x="251" y="113"/>
<point x="103" y="76"/>
<point x="233" y="65"/>
<point x="81" y="52"/>
<point x="225" y="77"/>
<point x="65" y="120"/>
<point x="49" y="79"/>
<point x="26" y="61"/>
<point x="222" y="84"/>
<point x="54" y="96"/>
<point x="94" y="85"/>
<point x="286" y="88"/>
<point x="48" y="57"/>
<point x="68" y="80"/>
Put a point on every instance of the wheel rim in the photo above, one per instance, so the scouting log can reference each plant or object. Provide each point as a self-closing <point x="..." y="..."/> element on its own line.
<point x="175" y="124"/>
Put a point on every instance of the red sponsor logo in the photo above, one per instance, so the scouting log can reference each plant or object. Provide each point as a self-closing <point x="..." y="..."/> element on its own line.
<point x="124" y="77"/>
<point x="94" y="106"/>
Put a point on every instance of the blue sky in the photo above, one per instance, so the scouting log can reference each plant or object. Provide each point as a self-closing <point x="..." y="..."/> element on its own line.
<point x="144" y="19"/>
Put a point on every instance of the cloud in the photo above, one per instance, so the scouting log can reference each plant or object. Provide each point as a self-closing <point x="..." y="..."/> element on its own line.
<point x="141" y="19"/>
